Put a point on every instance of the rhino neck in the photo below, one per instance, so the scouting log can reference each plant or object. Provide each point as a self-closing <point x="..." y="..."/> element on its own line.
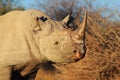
<point x="33" y="46"/>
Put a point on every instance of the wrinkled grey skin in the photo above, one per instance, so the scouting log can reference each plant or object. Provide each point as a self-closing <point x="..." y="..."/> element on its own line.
<point x="27" y="41"/>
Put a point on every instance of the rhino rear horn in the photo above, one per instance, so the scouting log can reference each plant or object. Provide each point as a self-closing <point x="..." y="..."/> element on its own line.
<point x="67" y="18"/>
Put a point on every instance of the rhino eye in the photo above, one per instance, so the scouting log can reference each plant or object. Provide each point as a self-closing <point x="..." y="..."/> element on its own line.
<point x="74" y="51"/>
<point x="56" y="43"/>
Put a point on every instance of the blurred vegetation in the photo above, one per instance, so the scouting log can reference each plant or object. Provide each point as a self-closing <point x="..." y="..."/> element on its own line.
<point x="7" y="5"/>
<point x="60" y="8"/>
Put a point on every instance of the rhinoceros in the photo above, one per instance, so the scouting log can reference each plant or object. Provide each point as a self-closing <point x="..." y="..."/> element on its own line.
<point x="31" y="36"/>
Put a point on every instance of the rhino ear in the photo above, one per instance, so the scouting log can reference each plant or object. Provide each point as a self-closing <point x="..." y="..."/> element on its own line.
<point x="36" y="29"/>
<point x="67" y="18"/>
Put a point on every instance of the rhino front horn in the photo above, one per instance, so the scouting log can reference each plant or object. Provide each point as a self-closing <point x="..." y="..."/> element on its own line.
<point x="81" y="27"/>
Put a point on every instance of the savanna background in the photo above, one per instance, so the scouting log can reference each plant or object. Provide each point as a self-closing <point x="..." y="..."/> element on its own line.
<point x="102" y="60"/>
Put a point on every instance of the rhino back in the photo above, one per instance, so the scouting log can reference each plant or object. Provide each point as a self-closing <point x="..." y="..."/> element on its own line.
<point x="11" y="33"/>
<point x="16" y="36"/>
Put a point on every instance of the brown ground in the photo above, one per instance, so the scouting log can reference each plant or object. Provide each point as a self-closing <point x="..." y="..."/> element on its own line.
<point x="102" y="60"/>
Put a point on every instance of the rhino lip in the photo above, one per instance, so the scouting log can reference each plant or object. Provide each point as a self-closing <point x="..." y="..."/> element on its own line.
<point x="81" y="57"/>
<point x="76" y="60"/>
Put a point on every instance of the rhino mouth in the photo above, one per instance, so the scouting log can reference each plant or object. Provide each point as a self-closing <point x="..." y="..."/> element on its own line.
<point x="66" y="62"/>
